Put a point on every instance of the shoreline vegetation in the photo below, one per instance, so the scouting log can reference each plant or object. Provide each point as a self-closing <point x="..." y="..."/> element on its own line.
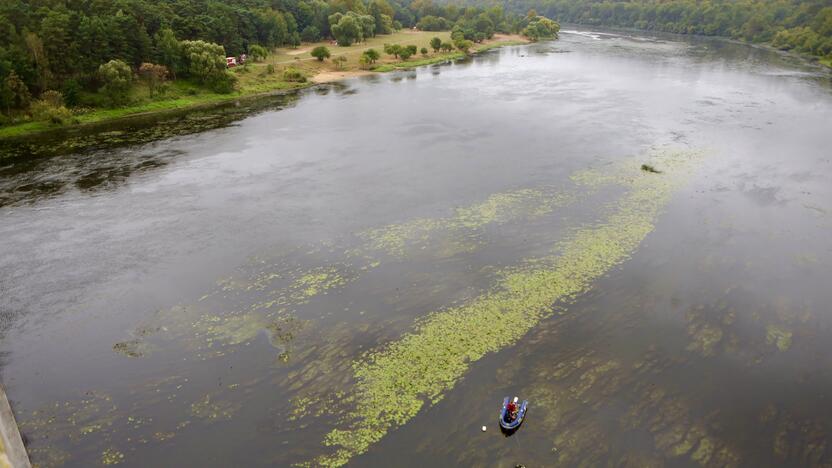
<point x="82" y="63"/>
<point x="79" y="63"/>
<point x="255" y="80"/>
<point x="189" y="96"/>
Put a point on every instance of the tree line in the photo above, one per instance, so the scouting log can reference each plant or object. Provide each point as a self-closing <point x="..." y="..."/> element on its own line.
<point x="74" y="48"/>
<point x="802" y="25"/>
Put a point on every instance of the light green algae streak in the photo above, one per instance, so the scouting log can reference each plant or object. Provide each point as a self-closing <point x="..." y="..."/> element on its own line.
<point x="394" y="383"/>
<point x="499" y="208"/>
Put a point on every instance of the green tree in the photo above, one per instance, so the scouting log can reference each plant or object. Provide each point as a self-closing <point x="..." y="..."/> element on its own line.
<point x="433" y="23"/>
<point x="55" y="30"/>
<point x="206" y="64"/>
<point x="15" y="93"/>
<point x="169" y="51"/>
<point x="382" y="13"/>
<point x="385" y="25"/>
<point x="368" y="26"/>
<point x="484" y="26"/>
<point x="35" y="47"/>
<point x="321" y="53"/>
<point x="310" y="34"/>
<point x="464" y="45"/>
<point x="117" y="78"/>
<point x="339" y="62"/>
<point x="405" y="53"/>
<point x="346" y="30"/>
<point x="412" y="49"/>
<point x="372" y="55"/>
<point x="539" y="27"/>
<point x="447" y="47"/>
<point x="257" y="52"/>
<point x="435" y="44"/>
<point x="424" y="51"/>
<point x="393" y="49"/>
<point x="72" y="92"/>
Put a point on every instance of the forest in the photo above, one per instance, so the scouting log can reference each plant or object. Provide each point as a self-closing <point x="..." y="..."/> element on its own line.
<point x="56" y="55"/>
<point x="802" y="25"/>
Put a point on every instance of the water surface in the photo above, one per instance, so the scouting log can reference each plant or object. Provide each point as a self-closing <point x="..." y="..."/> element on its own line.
<point x="210" y="297"/>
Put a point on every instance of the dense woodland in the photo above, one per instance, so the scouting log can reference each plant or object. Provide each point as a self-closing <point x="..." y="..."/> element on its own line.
<point x="55" y="52"/>
<point x="803" y="25"/>
<point x="52" y="52"/>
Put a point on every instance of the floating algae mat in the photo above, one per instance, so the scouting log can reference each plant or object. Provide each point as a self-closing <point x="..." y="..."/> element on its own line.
<point x="283" y="286"/>
<point x="394" y="382"/>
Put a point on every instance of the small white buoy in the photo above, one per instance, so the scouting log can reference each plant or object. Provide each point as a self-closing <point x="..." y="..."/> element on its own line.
<point x="484" y="428"/>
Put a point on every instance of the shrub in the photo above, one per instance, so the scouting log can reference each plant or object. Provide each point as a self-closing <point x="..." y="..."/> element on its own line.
<point x="424" y="51"/>
<point x="321" y="53"/>
<point x="71" y="92"/>
<point x="372" y="55"/>
<point x="270" y="69"/>
<point x="117" y="77"/>
<point x="464" y="45"/>
<point x="294" y="75"/>
<point x="50" y="107"/>
<point x="224" y="84"/>
<point x="53" y="98"/>
<point x="153" y="76"/>
<point x="393" y="49"/>
<point x="257" y="53"/>
<point x="435" y="44"/>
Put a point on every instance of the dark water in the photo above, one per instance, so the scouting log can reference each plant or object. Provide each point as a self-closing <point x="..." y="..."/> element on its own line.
<point x="169" y="303"/>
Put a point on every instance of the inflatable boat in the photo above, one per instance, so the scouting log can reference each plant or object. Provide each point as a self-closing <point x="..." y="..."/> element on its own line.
<point x="506" y="422"/>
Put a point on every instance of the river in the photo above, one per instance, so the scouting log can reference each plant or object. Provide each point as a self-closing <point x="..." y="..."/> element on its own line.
<point x="359" y="272"/>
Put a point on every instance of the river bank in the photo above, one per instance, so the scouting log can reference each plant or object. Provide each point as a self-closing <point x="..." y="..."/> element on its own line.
<point x="256" y="79"/>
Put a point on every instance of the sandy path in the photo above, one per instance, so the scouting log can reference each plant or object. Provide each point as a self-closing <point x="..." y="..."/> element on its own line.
<point x="327" y="76"/>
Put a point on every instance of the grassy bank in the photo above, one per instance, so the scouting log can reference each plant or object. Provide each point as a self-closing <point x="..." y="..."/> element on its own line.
<point x="256" y="79"/>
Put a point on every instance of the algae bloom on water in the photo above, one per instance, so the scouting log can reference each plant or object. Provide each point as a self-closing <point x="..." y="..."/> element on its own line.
<point x="395" y="382"/>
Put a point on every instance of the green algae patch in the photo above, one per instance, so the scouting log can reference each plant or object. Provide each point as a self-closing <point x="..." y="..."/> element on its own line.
<point x="131" y="348"/>
<point x="500" y="208"/>
<point x="319" y="281"/>
<point x="779" y="336"/>
<point x="210" y="409"/>
<point x="395" y="382"/>
<point x="111" y="456"/>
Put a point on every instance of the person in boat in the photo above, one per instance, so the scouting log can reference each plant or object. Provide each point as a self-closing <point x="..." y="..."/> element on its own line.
<point x="511" y="411"/>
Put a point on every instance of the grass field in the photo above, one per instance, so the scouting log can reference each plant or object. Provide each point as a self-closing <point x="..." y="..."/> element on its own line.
<point x="255" y="79"/>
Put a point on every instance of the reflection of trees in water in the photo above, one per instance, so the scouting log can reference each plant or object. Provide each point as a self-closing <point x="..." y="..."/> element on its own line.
<point x="46" y="164"/>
